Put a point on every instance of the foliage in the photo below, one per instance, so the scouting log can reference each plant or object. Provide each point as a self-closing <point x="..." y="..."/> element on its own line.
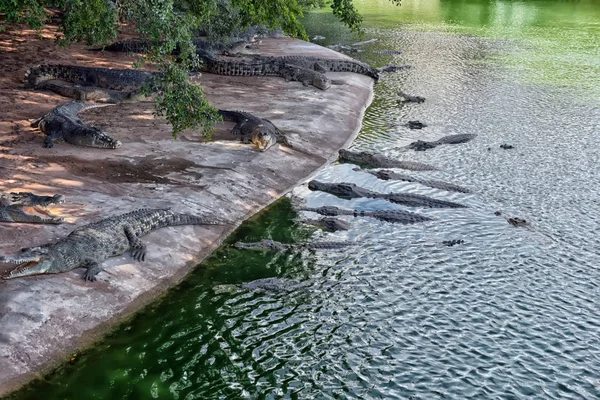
<point x="171" y="25"/>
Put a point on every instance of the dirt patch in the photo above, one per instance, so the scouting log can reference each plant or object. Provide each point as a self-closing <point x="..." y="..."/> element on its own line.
<point x="149" y="169"/>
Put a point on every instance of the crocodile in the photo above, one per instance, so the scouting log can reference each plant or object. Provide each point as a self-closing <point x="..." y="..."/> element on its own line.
<point x="89" y="245"/>
<point x="415" y="125"/>
<point x="397" y="216"/>
<point x="388" y="52"/>
<point x="329" y="224"/>
<point x="142" y="46"/>
<point x="421" y="145"/>
<point x="406" y="98"/>
<point x="373" y="160"/>
<point x="393" y="68"/>
<point x="515" y="221"/>
<point x="124" y="80"/>
<point x="506" y="146"/>
<point x="261" y="286"/>
<point x="452" y="242"/>
<point x="268" y="244"/>
<point x="12" y="203"/>
<point x="387" y="175"/>
<point x="264" y="66"/>
<point x="62" y="122"/>
<point x="352" y="191"/>
<point x="259" y="131"/>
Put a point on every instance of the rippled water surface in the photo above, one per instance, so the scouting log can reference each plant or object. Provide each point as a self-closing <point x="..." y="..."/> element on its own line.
<point x="510" y="313"/>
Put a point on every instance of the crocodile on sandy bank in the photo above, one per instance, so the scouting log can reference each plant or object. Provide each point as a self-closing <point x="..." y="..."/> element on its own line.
<point x="422" y="145"/>
<point x="268" y="244"/>
<point x="397" y="216"/>
<point x="63" y="123"/>
<point x="12" y="203"/>
<point x="373" y="160"/>
<point x="88" y="246"/>
<point x="350" y="191"/>
<point x="259" y="131"/>
<point x="387" y="175"/>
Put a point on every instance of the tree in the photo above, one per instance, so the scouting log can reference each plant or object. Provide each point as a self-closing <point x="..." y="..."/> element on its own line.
<point x="171" y="24"/>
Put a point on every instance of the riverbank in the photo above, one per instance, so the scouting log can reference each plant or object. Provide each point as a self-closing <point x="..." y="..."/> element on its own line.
<point x="44" y="319"/>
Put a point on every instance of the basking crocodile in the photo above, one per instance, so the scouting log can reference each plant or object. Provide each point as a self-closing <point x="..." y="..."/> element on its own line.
<point x="259" y="131"/>
<point x="63" y="123"/>
<point x="397" y="216"/>
<point x="11" y="204"/>
<point x="261" y="286"/>
<point x="406" y="98"/>
<point x="238" y="46"/>
<point x="387" y="175"/>
<point x="88" y="246"/>
<point x="422" y="145"/>
<point x="264" y="66"/>
<point x="124" y="80"/>
<point x="351" y="191"/>
<point x="268" y="244"/>
<point x="329" y="224"/>
<point x="373" y="160"/>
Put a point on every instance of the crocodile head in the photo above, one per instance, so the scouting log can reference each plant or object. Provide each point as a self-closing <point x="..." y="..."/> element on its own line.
<point x="90" y="136"/>
<point x="32" y="261"/>
<point x="263" y="138"/>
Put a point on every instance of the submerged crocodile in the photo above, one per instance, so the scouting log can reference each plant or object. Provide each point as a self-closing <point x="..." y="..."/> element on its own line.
<point x="261" y="286"/>
<point x="259" y="131"/>
<point x="329" y="224"/>
<point x="12" y="203"/>
<point x="422" y="145"/>
<point x="406" y="98"/>
<point x="63" y="123"/>
<point x="373" y="160"/>
<point x="268" y="244"/>
<point x="397" y="216"/>
<point x="387" y="175"/>
<point x="351" y="191"/>
<point x="88" y="246"/>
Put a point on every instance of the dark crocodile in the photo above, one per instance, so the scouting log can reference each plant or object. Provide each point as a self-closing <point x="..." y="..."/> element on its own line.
<point x="393" y="68"/>
<point x="268" y="244"/>
<point x="373" y="160"/>
<point x="396" y="216"/>
<point x="415" y="125"/>
<point x="264" y="66"/>
<point x="388" y="52"/>
<point x="452" y="242"/>
<point x="63" y="123"/>
<point x="322" y="64"/>
<point x="12" y="203"/>
<point x="506" y="146"/>
<point x="514" y="221"/>
<point x="350" y="191"/>
<point x="238" y="46"/>
<point x="421" y="145"/>
<point x="406" y="98"/>
<point x="259" y="131"/>
<point x="387" y="175"/>
<point x="124" y="80"/>
<point x="261" y="286"/>
<point x="88" y="246"/>
<point x="329" y="224"/>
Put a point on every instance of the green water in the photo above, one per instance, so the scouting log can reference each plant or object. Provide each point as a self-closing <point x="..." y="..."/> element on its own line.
<point x="512" y="313"/>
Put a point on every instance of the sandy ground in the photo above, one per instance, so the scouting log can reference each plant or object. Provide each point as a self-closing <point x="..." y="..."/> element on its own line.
<point x="43" y="319"/>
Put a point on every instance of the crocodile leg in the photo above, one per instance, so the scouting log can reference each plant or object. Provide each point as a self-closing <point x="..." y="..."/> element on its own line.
<point x="138" y="248"/>
<point x="92" y="269"/>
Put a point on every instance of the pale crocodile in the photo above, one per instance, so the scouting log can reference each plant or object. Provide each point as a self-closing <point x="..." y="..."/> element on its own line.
<point x="88" y="246"/>
<point x="386" y="175"/>
<point x="12" y="203"/>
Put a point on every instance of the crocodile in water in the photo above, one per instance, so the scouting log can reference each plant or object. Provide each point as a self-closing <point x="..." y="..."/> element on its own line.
<point x="422" y="145"/>
<point x="268" y="244"/>
<point x="373" y="160"/>
<point x="88" y="246"/>
<point x="406" y="98"/>
<point x="351" y="191"/>
<point x="387" y="175"/>
<point x="63" y="123"/>
<point x="397" y="216"/>
<point x="261" y="286"/>
<point x="12" y="203"/>
<point x="328" y="224"/>
<point x="259" y="131"/>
